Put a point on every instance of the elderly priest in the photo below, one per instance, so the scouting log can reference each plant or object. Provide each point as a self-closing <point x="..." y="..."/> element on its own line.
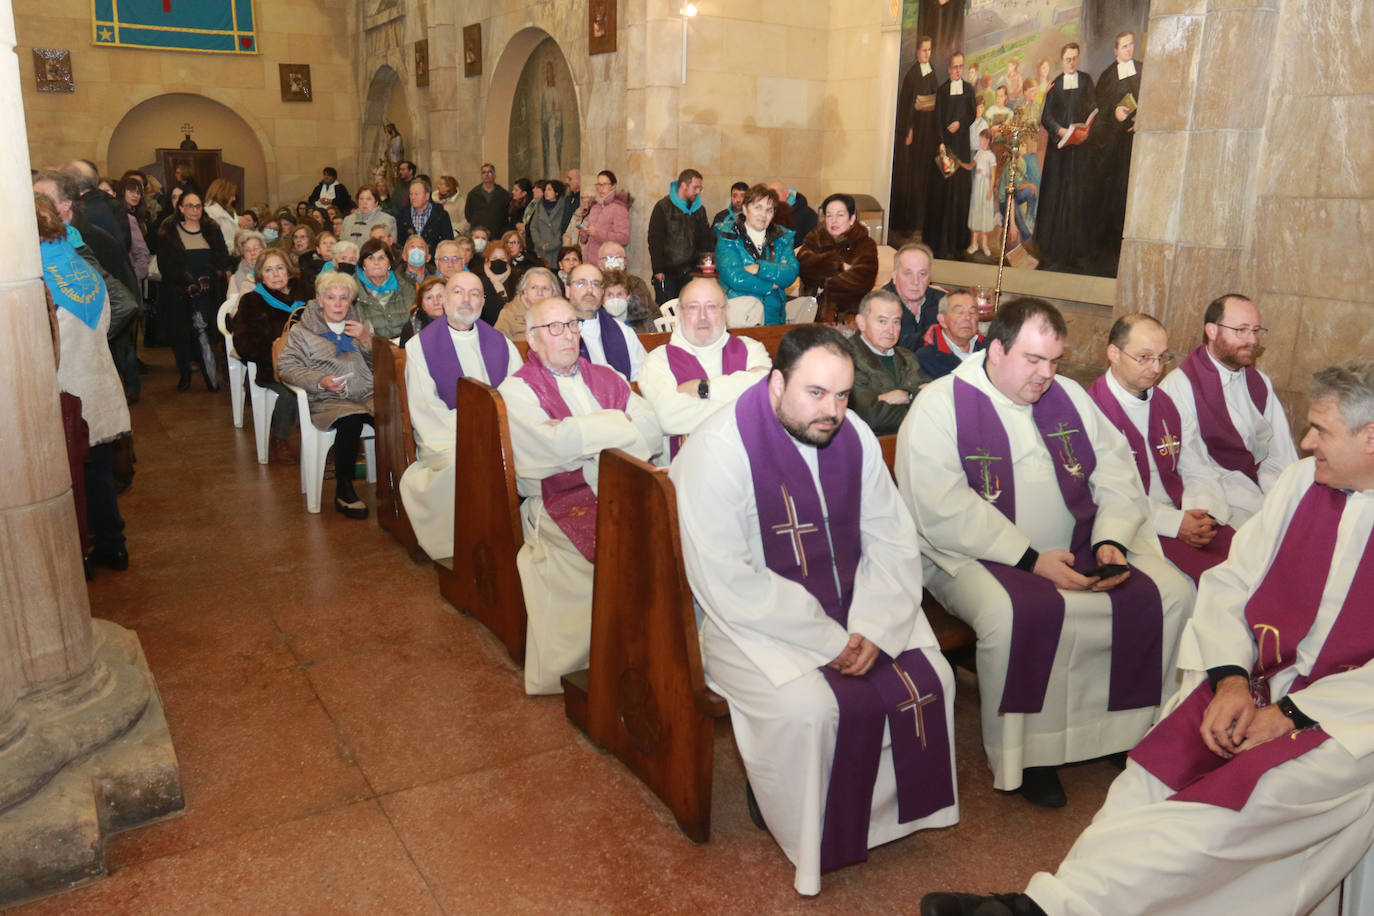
<point x="1035" y="531"/>
<point x="563" y="411"/>
<point x="436" y="359"/>
<point x="1256" y="793"/>
<point x="804" y="565"/>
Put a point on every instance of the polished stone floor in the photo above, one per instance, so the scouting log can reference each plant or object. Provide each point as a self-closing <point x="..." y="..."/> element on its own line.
<point x="349" y="744"/>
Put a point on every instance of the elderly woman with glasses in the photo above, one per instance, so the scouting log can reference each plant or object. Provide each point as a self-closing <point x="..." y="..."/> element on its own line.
<point x="536" y="285"/>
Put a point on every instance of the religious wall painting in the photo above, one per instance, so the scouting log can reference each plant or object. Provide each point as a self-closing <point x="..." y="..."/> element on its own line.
<point x="295" y="82"/>
<point x="1066" y="207"/>
<point x="216" y="26"/>
<point x="52" y="70"/>
<point x="601" y="26"/>
<point x="545" y="130"/>
<point x="472" y="49"/>
<point x="422" y="63"/>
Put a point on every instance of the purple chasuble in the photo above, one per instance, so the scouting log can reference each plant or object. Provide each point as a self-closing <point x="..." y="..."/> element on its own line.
<point x="904" y="693"/>
<point x="684" y="365"/>
<point x="441" y="357"/>
<point x="612" y="343"/>
<point x="568" y="499"/>
<point x="1037" y="606"/>
<point x="1279" y="613"/>
<point x="1219" y="434"/>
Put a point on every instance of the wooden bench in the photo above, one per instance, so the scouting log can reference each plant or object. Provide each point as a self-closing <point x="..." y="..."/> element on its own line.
<point x="769" y="335"/>
<point x="481" y="578"/>
<point x="395" y="441"/>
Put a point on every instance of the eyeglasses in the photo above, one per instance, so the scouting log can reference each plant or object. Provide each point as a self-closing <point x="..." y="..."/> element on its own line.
<point x="449" y="259"/>
<point x="583" y="284"/>
<point x="1256" y="333"/>
<point x="193" y="206"/>
<point x="555" y="328"/>
<point x="1161" y="360"/>
<point x="710" y="308"/>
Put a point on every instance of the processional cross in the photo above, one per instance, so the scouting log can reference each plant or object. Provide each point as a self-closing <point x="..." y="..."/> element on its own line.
<point x="916" y="703"/>
<point x="795" y="530"/>
<point x="1014" y="132"/>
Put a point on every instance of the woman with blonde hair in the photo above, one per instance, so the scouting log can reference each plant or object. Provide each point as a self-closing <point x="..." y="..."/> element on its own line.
<point x="220" y="200"/>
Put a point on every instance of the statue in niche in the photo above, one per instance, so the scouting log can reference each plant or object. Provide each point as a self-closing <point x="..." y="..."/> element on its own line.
<point x="544" y="137"/>
<point x="551" y="121"/>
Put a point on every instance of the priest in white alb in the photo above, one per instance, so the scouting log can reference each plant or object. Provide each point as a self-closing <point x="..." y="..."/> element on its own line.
<point x="563" y="411"/>
<point x="807" y="578"/>
<point x="1239" y="417"/>
<point x="1255" y="794"/>
<point x="436" y="358"/>
<point x="1187" y="501"/>
<point x="1036" y="532"/>
<point x="702" y="367"/>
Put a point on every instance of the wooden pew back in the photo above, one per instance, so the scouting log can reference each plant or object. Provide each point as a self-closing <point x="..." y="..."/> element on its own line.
<point x="482" y="579"/>
<point x="768" y="335"/>
<point x="395" y="438"/>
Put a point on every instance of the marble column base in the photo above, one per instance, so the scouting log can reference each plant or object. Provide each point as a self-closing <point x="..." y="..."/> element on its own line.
<point x="82" y="764"/>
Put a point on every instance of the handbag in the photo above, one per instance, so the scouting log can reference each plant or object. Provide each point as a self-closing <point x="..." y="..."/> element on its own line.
<point x="280" y="343"/>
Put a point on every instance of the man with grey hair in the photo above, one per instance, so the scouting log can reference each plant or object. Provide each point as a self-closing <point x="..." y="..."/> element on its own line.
<point x="886" y="376"/>
<point x="1257" y="791"/>
<point x="954" y="338"/>
<point x="95" y="202"/>
<point x="920" y="301"/>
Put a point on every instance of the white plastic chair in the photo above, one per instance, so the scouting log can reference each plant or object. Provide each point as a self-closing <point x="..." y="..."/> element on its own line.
<point x="315" y="445"/>
<point x="264" y="401"/>
<point x="236" y="366"/>
<point x="801" y="310"/>
<point x="669" y="309"/>
<point x="665" y="324"/>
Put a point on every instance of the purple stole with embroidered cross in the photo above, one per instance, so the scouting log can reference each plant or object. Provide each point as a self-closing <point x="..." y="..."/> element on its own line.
<point x="612" y="343"/>
<point x="441" y="357"/>
<point x="1219" y="434"/>
<point x="1037" y="606"/>
<point x="1279" y="613"/>
<point x="904" y="693"/>
<point x="568" y="499"/>
<point x="683" y="363"/>
<point x="1164" y="427"/>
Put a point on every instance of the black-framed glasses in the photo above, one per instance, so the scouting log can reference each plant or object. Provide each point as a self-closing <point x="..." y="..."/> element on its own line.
<point x="1161" y="360"/>
<point x="1257" y="333"/>
<point x="556" y="328"/>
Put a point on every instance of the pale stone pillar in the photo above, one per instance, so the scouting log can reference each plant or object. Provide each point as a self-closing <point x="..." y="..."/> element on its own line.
<point x="84" y="748"/>
<point x="653" y="84"/>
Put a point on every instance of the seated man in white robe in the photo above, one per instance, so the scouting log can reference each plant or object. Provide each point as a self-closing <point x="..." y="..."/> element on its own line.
<point x="1239" y="417"/>
<point x="436" y="358"/>
<point x="606" y="340"/>
<point x="1187" y="502"/>
<point x="1035" y="531"/>
<point x="1256" y="793"/>
<point x="563" y="411"/>
<point x="805" y="568"/>
<point x="702" y="368"/>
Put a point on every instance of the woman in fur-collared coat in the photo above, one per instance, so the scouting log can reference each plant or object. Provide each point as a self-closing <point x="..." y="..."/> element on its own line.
<point x="839" y="261"/>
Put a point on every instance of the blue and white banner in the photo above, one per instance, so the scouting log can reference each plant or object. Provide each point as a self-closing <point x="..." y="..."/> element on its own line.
<point x="216" y="26"/>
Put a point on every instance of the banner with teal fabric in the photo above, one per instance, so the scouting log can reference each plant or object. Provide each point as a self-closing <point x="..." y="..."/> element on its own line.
<point x="216" y="26"/>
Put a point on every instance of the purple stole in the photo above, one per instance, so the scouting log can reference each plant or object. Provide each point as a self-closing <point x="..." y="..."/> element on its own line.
<point x="567" y="498"/>
<point x="1279" y="613"/>
<point x="1164" y="427"/>
<point x="1223" y="442"/>
<point x="612" y="343"/>
<point x="904" y="693"/>
<point x="684" y="365"/>
<point x="1037" y="606"/>
<point x="442" y="358"/>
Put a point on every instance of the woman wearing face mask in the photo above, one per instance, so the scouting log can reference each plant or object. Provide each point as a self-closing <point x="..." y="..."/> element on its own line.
<point x="262" y="313"/>
<point x="357" y="226"/>
<point x="608" y="218"/>
<point x="416" y="255"/>
<point x="621" y="302"/>
<point x="429" y="305"/>
<point x="754" y="255"/>
<point x="384" y="298"/>
<point x="247" y="246"/>
<point x="535" y="286"/>
<point x="271" y="232"/>
<point x="480" y="239"/>
<point x="344" y="258"/>
<point x="545" y="235"/>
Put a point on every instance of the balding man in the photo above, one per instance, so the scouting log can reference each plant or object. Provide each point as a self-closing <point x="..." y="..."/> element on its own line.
<point x="436" y="359"/>
<point x="955" y="338"/>
<point x="606" y="340"/>
<point x="886" y="376"/>
<point x="1240" y="419"/>
<point x="563" y="410"/>
<point x="702" y="368"/>
<point x="95" y="203"/>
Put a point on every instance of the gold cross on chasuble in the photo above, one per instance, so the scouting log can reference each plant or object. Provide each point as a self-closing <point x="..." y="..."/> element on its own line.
<point x="1168" y="445"/>
<point x="792" y="528"/>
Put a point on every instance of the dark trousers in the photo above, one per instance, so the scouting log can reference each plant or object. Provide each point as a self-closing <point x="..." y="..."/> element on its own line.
<point x="671" y="286"/>
<point x="102" y="502"/>
<point x="347" y="431"/>
<point x="285" y="415"/>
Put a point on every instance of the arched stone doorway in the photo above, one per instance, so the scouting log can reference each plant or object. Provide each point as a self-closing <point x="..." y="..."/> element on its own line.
<point x="533" y="121"/>
<point x="386" y="103"/>
<point x="156" y="122"/>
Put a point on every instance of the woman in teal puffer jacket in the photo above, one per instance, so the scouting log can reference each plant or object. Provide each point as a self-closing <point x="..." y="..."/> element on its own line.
<point x="755" y="257"/>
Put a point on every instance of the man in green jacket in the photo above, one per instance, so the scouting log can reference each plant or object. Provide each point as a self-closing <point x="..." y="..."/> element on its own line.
<point x="886" y="376"/>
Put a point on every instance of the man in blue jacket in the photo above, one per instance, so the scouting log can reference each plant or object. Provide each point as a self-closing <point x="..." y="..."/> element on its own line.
<point x="678" y="232"/>
<point x="920" y="301"/>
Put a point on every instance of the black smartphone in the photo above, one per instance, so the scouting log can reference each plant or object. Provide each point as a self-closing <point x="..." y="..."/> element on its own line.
<point x="1107" y="570"/>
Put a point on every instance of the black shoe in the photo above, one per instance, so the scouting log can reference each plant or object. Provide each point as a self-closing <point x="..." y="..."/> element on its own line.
<point x="1041" y="786"/>
<point x="118" y="559"/>
<point x="184" y="383"/>
<point x="144" y="368"/>
<point x="755" y="813"/>
<point x="979" y="905"/>
<point x="350" y="505"/>
<point x="1118" y="759"/>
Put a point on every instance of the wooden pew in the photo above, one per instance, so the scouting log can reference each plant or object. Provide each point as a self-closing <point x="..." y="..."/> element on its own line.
<point x="768" y="335"/>
<point x="481" y="578"/>
<point x="395" y="441"/>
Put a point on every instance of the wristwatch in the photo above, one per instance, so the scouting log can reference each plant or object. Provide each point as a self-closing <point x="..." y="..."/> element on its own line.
<point x="704" y="389"/>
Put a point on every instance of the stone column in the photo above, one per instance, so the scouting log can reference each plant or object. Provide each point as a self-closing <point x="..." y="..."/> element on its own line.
<point x="84" y="748"/>
<point x="653" y="84"/>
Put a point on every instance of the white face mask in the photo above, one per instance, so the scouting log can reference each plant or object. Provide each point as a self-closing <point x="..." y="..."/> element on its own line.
<point x="416" y="257"/>
<point x="617" y="307"/>
<point x="612" y="262"/>
<point x="478" y="244"/>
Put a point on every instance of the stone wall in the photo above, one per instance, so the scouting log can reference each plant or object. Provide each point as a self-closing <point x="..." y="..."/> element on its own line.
<point x="297" y="139"/>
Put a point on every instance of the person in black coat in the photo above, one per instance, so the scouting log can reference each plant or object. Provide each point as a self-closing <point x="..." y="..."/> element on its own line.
<point x="917" y="138"/>
<point x="424" y="218"/>
<point x="1063" y="219"/>
<point x="946" y="223"/>
<point x="331" y="192"/>
<point x="1112" y="139"/>
<point x="193" y="259"/>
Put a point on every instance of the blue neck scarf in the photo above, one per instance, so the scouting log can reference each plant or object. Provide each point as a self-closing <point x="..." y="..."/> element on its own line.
<point x="342" y="342"/>
<point x="388" y="286"/>
<point x="74" y="284"/>
<point x="276" y="301"/>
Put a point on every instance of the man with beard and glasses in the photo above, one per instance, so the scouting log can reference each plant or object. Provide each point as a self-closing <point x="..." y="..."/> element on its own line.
<point x="606" y="340"/>
<point x="1233" y="404"/>
<point x="806" y="574"/>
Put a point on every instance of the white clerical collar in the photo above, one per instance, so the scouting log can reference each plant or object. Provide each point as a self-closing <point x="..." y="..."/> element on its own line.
<point x="888" y="352"/>
<point x="955" y="348"/>
<point x="925" y="69"/>
<point x="956" y="87"/>
<point x="591" y="327"/>
<point x="462" y="336"/>
<point x="679" y="339"/>
<point x="1125" y="397"/>
<point x="1227" y="373"/>
<point x="1125" y="69"/>
<point x="1071" y="80"/>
